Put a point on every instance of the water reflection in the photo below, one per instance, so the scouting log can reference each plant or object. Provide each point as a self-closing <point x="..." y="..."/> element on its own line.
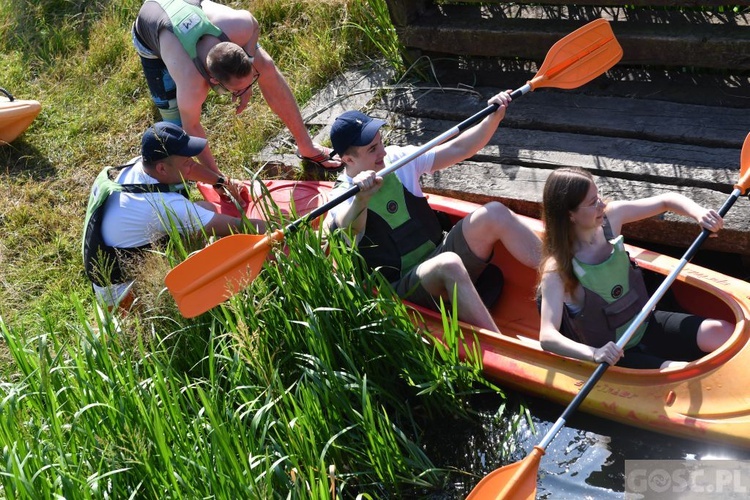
<point x="585" y="461"/>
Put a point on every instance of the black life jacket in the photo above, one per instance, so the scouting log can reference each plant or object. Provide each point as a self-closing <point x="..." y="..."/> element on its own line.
<point x="401" y="230"/>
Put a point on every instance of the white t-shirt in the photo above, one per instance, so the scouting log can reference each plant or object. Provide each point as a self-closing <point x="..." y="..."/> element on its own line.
<point x="408" y="174"/>
<point x="136" y="219"/>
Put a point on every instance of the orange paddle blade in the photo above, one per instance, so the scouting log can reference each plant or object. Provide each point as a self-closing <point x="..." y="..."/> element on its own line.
<point x="744" y="183"/>
<point x="209" y="277"/>
<point x="516" y="481"/>
<point x="579" y="57"/>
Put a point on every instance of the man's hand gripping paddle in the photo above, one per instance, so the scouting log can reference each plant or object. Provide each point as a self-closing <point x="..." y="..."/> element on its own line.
<point x="220" y="270"/>
<point x="518" y="480"/>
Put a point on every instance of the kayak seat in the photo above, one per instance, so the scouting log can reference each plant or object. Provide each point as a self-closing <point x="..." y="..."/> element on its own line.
<point x="489" y="285"/>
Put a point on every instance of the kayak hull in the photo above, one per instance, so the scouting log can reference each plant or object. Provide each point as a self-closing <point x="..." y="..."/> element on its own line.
<point x="707" y="400"/>
<point x="15" y="117"/>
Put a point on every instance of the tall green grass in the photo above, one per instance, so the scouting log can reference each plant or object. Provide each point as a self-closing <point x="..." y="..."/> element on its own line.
<point x="304" y="383"/>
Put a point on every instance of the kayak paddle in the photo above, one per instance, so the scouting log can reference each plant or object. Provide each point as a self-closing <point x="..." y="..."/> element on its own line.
<point x="518" y="480"/>
<point x="215" y="273"/>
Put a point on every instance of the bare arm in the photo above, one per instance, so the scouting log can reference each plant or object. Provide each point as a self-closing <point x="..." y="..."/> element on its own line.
<point x="354" y="216"/>
<point x="243" y="29"/>
<point x="473" y="139"/>
<point x="224" y="225"/>
<point x="553" y="297"/>
<point x="622" y="212"/>
<point x="192" y="90"/>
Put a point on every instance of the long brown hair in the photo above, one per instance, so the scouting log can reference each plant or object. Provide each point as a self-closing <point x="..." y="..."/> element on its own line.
<point x="564" y="190"/>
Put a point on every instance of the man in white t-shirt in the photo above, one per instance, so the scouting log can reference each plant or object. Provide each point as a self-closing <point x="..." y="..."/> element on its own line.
<point x="397" y="232"/>
<point x="131" y="207"/>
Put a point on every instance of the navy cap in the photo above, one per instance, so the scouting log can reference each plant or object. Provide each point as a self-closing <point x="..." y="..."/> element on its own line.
<point x="167" y="139"/>
<point x="353" y="128"/>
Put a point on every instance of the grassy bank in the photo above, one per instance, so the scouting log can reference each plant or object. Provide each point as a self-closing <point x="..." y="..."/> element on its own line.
<point x="303" y="386"/>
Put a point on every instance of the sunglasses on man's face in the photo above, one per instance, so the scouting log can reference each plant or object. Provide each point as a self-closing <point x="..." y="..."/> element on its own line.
<point x="240" y="93"/>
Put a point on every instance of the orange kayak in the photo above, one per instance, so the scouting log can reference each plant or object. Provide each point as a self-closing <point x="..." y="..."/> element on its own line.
<point x="708" y="400"/>
<point x="15" y="116"/>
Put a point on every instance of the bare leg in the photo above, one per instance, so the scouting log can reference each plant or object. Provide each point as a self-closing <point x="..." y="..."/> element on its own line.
<point x="495" y="222"/>
<point x="712" y="334"/>
<point x="443" y="274"/>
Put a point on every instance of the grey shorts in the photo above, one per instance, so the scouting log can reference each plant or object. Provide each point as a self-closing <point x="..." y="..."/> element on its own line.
<point x="409" y="286"/>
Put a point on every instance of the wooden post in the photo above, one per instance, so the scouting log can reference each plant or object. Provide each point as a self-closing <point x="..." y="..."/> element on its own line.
<point x="403" y="12"/>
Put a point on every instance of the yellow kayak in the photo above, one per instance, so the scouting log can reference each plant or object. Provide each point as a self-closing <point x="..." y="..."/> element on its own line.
<point x="708" y="400"/>
<point x="15" y="115"/>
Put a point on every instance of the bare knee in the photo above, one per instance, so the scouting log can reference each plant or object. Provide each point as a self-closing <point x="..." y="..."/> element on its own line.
<point x="497" y="212"/>
<point x="450" y="265"/>
<point x="713" y="333"/>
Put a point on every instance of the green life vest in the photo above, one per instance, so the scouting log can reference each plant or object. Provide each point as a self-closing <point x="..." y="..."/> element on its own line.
<point x="401" y="230"/>
<point x="101" y="261"/>
<point x="614" y="294"/>
<point x="189" y="25"/>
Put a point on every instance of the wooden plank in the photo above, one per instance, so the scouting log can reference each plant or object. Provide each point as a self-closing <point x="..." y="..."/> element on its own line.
<point x="527" y="32"/>
<point x="562" y="111"/>
<point x="403" y="12"/>
<point x="679" y="165"/>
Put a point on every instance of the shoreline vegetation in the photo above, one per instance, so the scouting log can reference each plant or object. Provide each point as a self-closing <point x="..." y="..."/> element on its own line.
<point x="306" y="385"/>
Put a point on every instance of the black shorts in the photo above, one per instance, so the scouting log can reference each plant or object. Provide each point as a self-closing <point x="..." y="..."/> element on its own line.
<point x="668" y="336"/>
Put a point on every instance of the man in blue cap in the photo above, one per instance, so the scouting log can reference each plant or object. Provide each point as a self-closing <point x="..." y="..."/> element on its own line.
<point x="397" y="232"/>
<point x="133" y="206"/>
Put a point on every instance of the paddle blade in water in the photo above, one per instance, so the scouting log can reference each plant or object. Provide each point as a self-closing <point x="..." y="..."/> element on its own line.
<point x="516" y="481"/>
<point x="209" y="277"/>
<point x="744" y="183"/>
<point x="579" y="57"/>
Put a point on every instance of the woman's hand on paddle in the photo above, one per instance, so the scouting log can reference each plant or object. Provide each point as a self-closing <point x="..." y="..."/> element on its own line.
<point x="609" y="353"/>
<point x="711" y="220"/>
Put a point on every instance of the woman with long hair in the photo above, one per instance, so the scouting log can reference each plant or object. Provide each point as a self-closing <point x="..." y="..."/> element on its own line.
<point x="591" y="290"/>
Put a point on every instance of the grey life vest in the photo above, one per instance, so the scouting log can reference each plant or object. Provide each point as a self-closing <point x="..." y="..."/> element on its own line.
<point x="189" y="25"/>
<point x="606" y="315"/>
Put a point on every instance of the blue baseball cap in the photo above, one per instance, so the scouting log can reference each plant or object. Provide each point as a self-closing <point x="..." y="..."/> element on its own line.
<point x="166" y="139"/>
<point x="353" y="128"/>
